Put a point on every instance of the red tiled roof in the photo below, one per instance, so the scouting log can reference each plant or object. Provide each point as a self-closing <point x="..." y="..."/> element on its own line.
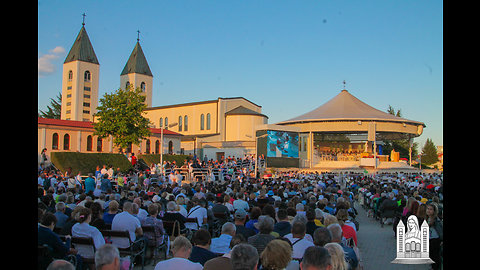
<point x="67" y="123"/>
<point x="165" y="131"/>
<point x="88" y="124"/>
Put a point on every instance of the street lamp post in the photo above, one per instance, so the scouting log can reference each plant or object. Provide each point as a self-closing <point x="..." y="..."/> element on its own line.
<point x="161" y="145"/>
<point x="256" y="154"/>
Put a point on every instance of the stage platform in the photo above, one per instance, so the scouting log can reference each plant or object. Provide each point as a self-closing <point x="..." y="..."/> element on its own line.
<point x="354" y="166"/>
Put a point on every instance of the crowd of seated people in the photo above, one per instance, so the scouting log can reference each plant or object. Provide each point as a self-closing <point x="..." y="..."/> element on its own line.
<point x="286" y="220"/>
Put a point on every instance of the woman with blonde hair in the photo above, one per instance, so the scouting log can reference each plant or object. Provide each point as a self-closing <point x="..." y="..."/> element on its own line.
<point x="181" y="206"/>
<point x="337" y="256"/>
<point x="329" y="219"/>
<point x="276" y="255"/>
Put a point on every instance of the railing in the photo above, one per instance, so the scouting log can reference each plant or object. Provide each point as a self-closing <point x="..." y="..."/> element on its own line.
<point x="337" y="157"/>
<point x="202" y="174"/>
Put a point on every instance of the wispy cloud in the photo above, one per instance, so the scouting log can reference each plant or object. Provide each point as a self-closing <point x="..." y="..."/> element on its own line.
<point x="45" y="62"/>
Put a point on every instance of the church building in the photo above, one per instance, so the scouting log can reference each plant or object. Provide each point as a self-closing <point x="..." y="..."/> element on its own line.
<point x="222" y="127"/>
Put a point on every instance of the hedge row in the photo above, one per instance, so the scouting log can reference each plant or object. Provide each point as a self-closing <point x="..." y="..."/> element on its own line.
<point x="88" y="162"/>
<point x="149" y="159"/>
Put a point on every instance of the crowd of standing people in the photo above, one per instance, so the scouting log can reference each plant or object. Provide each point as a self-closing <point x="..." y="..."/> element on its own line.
<point x="288" y="220"/>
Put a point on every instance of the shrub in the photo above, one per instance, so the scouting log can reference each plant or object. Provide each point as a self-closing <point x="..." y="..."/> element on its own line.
<point x="87" y="162"/>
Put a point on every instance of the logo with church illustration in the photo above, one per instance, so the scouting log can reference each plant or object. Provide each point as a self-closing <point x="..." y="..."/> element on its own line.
<point x="412" y="243"/>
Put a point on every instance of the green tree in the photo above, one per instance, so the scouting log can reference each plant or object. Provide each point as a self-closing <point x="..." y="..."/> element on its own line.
<point x="429" y="153"/>
<point x="55" y="110"/>
<point x="121" y="115"/>
<point x="391" y="111"/>
<point x="400" y="146"/>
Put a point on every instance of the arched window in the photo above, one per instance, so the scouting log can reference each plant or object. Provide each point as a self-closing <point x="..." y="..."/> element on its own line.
<point x="89" y="142"/>
<point x="160" y="122"/>
<point x="180" y="124"/>
<point x="127" y="85"/>
<point x="70" y="75"/>
<point x="66" y="142"/>
<point x="142" y="86"/>
<point x="202" y="121"/>
<point x="99" y="144"/>
<point x="157" y="147"/>
<point x="170" y="147"/>
<point x="87" y="76"/>
<point x="147" y="147"/>
<point x="166" y="123"/>
<point x="185" y="123"/>
<point x="55" y="141"/>
<point x="208" y="121"/>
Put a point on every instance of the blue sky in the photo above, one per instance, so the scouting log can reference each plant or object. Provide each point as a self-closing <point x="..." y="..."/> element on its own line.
<point x="287" y="56"/>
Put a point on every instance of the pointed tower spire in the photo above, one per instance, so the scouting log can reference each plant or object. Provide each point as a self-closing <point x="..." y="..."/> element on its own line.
<point x="137" y="63"/>
<point x="82" y="49"/>
<point x="137" y="73"/>
<point x="81" y="72"/>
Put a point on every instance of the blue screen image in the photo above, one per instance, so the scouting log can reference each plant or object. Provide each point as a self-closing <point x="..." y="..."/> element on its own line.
<point x="282" y="144"/>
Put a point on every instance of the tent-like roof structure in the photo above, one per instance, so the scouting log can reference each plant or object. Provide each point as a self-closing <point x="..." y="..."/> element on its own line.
<point x="345" y="106"/>
<point x="348" y="115"/>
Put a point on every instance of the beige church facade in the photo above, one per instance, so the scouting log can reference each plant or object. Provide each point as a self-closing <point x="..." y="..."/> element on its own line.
<point x="215" y="128"/>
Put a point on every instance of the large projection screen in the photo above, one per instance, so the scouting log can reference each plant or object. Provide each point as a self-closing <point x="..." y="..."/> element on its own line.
<point x="282" y="144"/>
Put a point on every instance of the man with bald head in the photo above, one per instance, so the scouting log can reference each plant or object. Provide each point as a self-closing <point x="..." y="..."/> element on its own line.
<point x="126" y="221"/>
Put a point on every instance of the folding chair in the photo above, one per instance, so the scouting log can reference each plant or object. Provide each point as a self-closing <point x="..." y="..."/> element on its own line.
<point x="121" y="239"/>
<point x="149" y="231"/>
<point x="86" y="249"/>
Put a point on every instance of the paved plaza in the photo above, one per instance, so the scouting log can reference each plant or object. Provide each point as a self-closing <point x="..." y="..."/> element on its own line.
<point x="377" y="244"/>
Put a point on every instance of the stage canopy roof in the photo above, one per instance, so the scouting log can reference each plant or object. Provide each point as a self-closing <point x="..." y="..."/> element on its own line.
<point x="347" y="114"/>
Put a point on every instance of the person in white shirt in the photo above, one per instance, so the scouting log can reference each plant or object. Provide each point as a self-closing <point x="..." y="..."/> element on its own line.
<point x="198" y="212"/>
<point x="178" y="178"/>
<point x="181" y="249"/>
<point x="125" y="221"/>
<point x="83" y="228"/>
<point x="298" y="240"/>
<point x="171" y="178"/>
<point x="103" y="171"/>
<point x="110" y="172"/>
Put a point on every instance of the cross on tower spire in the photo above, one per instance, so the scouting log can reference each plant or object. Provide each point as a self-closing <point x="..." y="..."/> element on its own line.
<point x="138" y="35"/>
<point x="83" y="22"/>
<point x="344" y="84"/>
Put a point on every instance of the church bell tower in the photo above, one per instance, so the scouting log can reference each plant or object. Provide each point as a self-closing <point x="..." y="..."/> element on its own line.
<point x="137" y="73"/>
<point x="80" y="80"/>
